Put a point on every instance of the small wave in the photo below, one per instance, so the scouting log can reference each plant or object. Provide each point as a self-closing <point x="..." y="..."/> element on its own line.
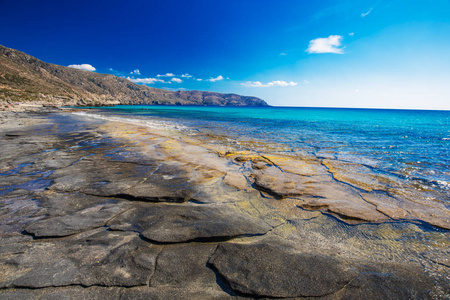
<point x="444" y="184"/>
<point x="151" y="124"/>
<point x="446" y="139"/>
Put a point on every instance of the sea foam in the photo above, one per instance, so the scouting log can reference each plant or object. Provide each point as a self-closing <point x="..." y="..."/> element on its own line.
<point x="135" y="121"/>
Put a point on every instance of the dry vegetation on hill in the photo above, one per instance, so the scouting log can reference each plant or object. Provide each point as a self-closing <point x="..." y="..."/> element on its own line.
<point x="24" y="78"/>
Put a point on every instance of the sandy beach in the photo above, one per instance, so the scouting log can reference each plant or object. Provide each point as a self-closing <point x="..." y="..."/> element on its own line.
<point x="95" y="208"/>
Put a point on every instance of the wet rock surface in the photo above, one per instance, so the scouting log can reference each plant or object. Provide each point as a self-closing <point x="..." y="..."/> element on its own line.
<point x="90" y="210"/>
<point x="348" y="191"/>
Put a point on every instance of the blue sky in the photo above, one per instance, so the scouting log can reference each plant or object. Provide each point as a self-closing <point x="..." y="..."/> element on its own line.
<point x="382" y="54"/>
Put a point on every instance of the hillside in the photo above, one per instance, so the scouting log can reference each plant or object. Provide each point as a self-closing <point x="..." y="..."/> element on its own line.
<point x="24" y="78"/>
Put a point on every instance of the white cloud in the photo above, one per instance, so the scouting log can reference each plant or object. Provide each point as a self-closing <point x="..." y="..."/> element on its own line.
<point x="366" y="13"/>
<point x="145" y="80"/>
<point x="220" y="77"/>
<point x="176" y="80"/>
<point x="326" y="45"/>
<point x="351" y="34"/>
<point x="85" y="67"/>
<point x="283" y="54"/>
<point x="136" y="72"/>
<point x="186" y="76"/>
<point x="269" y="84"/>
<point x="199" y="79"/>
<point x="253" y="84"/>
<point x="166" y="75"/>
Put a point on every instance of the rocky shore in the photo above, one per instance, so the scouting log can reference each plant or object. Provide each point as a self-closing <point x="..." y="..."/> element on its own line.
<point x="91" y="209"/>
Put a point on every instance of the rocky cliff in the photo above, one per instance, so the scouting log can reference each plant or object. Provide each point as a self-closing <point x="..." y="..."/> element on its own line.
<point x="24" y="78"/>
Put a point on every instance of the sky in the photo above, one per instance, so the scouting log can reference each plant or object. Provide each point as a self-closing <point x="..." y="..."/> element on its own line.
<point x="368" y="54"/>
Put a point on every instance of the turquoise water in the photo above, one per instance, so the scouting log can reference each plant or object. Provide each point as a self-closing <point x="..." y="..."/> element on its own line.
<point x="410" y="144"/>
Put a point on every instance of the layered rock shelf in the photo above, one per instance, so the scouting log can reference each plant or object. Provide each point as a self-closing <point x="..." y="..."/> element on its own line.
<point x="91" y="209"/>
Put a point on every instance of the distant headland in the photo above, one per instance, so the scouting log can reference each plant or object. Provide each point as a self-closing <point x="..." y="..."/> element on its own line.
<point x="24" y="78"/>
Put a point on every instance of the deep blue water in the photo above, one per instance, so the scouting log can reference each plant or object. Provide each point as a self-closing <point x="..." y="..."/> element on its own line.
<point x="409" y="143"/>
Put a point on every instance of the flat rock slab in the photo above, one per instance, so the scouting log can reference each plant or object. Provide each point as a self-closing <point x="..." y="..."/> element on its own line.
<point x="268" y="269"/>
<point x="92" y="258"/>
<point x="114" y="293"/>
<point x="54" y="204"/>
<point x="184" y="265"/>
<point x="278" y="183"/>
<point x="89" y="218"/>
<point x="96" y="175"/>
<point x="400" y="284"/>
<point x="187" y="222"/>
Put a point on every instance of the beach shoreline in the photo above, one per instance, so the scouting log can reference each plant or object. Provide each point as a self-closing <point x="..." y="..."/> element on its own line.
<point x="79" y="179"/>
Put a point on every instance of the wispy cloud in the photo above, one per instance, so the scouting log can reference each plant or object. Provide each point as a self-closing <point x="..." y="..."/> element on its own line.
<point x="351" y="34"/>
<point x="340" y="9"/>
<point x="218" y="78"/>
<point x="146" y="80"/>
<point x="178" y="80"/>
<point x="186" y="75"/>
<point x="366" y="13"/>
<point x="173" y="89"/>
<point x="330" y="44"/>
<point x="283" y="54"/>
<point x="85" y="67"/>
<point x="136" y="72"/>
<point x="269" y="84"/>
<point x="166" y="75"/>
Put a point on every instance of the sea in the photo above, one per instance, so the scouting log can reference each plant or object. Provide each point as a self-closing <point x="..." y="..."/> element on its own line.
<point x="410" y="145"/>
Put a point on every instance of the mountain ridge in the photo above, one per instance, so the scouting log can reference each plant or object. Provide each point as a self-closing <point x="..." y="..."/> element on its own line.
<point x="24" y="78"/>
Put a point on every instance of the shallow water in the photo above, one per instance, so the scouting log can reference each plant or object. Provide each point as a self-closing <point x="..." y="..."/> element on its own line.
<point x="412" y="146"/>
